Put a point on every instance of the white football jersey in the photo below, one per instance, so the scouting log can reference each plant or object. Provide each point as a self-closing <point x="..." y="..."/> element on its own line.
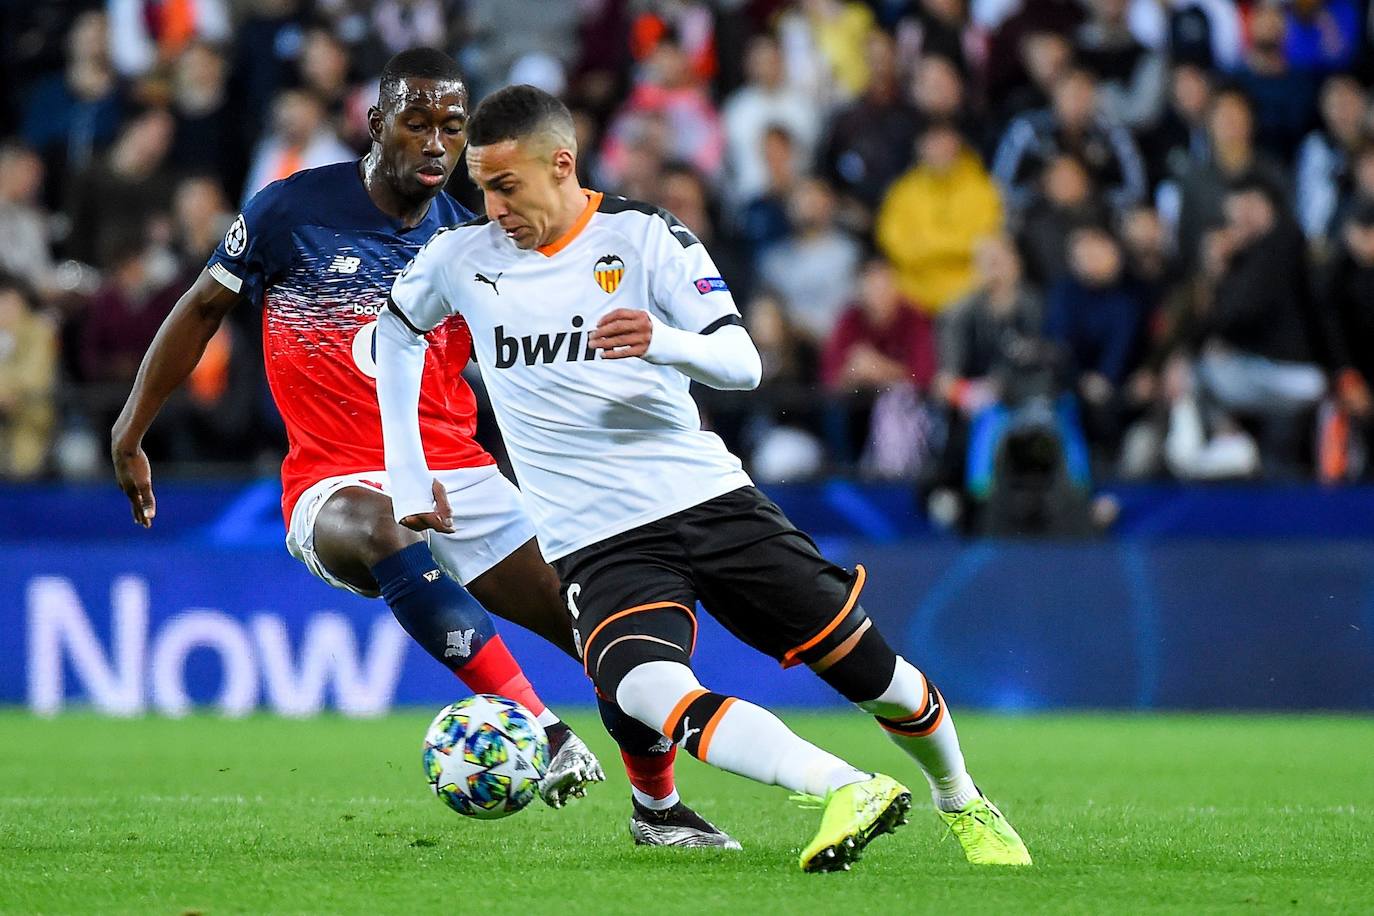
<point x="599" y="446"/>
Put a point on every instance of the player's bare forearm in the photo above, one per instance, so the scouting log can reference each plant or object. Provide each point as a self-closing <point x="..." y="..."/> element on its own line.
<point x="173" y="355"/>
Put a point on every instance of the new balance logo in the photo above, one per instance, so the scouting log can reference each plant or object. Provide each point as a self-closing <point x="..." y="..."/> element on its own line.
<point x="565" y="346"/>
<point x="431" y="576"/>
<point x="480" y="278"/>
<point x="344" y="265"/>
<point x="459" y="643"/>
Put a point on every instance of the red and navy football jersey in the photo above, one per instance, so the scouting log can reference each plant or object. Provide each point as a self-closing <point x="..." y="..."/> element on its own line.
<point x="319" y="257"/>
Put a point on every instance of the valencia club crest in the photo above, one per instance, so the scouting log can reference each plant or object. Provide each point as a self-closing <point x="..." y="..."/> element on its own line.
<point x="609" y="270"/>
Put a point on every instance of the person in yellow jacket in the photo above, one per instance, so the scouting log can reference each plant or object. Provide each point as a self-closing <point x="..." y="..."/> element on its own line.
<point x="28" y="373"/>
<point x="933" y="217"/>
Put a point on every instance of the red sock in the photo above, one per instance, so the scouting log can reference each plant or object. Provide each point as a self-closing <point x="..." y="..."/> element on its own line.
<point x="651" y="774"/>
<point x="494" y="670"/>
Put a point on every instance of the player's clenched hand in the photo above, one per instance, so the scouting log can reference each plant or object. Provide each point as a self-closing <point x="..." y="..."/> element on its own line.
<point x="135" y="478"/>
<point x="441" y="519"/>
<point x="621" y="333"/>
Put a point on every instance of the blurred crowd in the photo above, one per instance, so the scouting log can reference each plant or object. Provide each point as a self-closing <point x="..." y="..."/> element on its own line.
<point x="982" y="244"/>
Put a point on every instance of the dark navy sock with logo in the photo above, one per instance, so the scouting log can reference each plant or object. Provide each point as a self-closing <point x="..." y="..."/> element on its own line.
<point x="452" y="627"/>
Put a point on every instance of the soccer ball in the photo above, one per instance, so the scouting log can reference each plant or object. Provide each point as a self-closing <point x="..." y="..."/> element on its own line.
<point x="484" y="756"/>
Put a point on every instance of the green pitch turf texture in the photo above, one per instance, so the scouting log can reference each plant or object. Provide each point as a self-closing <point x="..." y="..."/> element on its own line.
<point x="1122" y="813"/>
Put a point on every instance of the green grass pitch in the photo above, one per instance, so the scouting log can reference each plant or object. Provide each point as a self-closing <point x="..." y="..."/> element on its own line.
<point x="1122" y="813"/>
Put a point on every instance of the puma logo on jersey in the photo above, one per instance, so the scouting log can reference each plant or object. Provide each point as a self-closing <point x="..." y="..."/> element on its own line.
<point x="565" y="346"/>
<point x="344" y="265"/>
<point x="480" y="278"/>
<point x="459" y="643"/>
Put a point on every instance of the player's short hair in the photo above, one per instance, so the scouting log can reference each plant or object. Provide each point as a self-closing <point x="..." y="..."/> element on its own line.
<point x="415" y="63"/>
<point x="517" y="112"/>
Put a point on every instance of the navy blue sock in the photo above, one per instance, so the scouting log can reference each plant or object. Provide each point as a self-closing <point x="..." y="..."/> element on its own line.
<point x="433" y="608"/>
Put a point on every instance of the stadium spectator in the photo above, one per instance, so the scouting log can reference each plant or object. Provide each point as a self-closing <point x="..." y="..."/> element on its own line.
<point x="1073" y="126"/>
<point x="1097" y="315"/>
<point x="937" y="89"/>
<point x="1131" y="77"/>
<point x="1046" y="56"/>
<point x="824" y="46"/>
<point x="871" y="141"/>
<point x="1324" y="174"/>
<point x="1179" y="140"/>
<point x="933" y="217"/>
<point x="1205" y="33"/>
<point x="763" y="220"/>
<point x="147" y="35"/>
<point x="300" y="139"/>
<point x="28" y="377"/>
<point x="1259" y="355"/>
<point x="937" y="28"/>
<point x="1322" y="36"/>
<point x="883" y="351"/>
<point x="1283" y="95"/>
<point x="25" y="252"/>
<point x="324" y="67"/>
<point x="1348" y="298"/>
<point x="982" y="339"/>
<point x="498" y="33"/>
<point x="1066" y="201"/>
<point x="815" y="267"/>
<point x="122" y="317"/>
<point x="671" y="102"/>
<point x="401" y="24"/>
<point x="115" y="199"/>
<point x="880" y="340"/>
<point x="764" y="103"/>
<point x="205" y="133"/>
<point x="1232" y="158"/>
<point x="1006" y="70"/>
<point x="71" y="117"/>
<point x="201" y="217"/>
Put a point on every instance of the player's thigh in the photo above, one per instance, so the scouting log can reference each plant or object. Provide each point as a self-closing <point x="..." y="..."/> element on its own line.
<point x="523" y="589"/>
<point x="766" y="581"/>
<point x="353" y="530"/>
<point x="631" y="601"/>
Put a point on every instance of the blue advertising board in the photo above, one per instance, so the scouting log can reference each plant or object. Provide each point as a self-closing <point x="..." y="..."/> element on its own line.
<point x="135" y="625"/>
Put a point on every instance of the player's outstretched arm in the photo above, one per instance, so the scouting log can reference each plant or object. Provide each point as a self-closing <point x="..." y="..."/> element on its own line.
<point x="724" y="358"/>
<point x="417" y="499"/>
<point x="174" y="353"/>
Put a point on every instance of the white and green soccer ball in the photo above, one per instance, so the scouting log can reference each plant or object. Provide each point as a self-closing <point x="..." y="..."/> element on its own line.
<point x="484" y="756"/>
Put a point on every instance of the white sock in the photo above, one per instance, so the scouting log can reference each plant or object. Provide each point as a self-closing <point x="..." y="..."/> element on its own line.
<point x="548" y="717"/>
<point x="746" y="739"/>
<point x="655" y="804"/>
<point x="938" y="752"/>
<point x="751" y="741"/>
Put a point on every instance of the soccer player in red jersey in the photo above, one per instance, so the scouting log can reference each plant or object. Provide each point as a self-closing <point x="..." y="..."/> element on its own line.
<point x="318" y="252"/>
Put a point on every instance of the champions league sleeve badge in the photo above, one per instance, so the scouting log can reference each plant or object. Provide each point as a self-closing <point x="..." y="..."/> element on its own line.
<point x="236" y="239"/>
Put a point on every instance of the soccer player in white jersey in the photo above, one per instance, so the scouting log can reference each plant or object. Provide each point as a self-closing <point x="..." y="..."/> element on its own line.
<point x="591" y="315"/>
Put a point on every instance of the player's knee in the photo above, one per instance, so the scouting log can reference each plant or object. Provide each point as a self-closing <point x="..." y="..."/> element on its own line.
<point x="860" y="664"/>
<point x="652" y="690"/>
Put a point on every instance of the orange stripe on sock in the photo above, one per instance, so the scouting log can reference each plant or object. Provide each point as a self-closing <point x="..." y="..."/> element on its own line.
<point x="789" y="658"/>
<point x="587" y="644"/>
<point x="674" y="717"/>
<point x="709" y="731"/>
